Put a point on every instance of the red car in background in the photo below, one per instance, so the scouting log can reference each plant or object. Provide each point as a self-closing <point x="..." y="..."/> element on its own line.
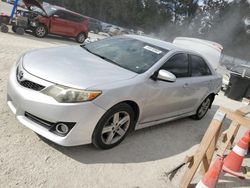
<point x="57" y="20"/>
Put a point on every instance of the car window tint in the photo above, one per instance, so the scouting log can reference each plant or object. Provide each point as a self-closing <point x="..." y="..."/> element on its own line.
<point x="72" y="17"/>
<point x="178" y="65"/>
<point x="199" y="66"/>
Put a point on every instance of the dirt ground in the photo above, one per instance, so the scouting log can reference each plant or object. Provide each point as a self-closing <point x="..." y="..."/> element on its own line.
<point x="141" y="160"/>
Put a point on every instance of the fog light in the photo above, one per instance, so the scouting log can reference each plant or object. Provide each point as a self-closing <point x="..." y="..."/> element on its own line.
<point x="62" y="128"/>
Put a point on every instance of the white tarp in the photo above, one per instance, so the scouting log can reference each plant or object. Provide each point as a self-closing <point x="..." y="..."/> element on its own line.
<point x="208" y="49"/>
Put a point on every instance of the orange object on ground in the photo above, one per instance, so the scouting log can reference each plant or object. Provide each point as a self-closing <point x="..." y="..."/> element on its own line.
<point x="235" y="158"/>
<point x="211" y="177"/>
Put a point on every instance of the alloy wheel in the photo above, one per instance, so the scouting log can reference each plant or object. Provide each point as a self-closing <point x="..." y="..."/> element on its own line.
<point x="115" y="128"/>
<point x="40" y="31"/>
<point x="204" y="107"/>
<point x="81" y="38"/>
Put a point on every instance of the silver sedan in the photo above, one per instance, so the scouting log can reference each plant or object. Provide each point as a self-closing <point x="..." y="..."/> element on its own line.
<point x="99" y="92"/>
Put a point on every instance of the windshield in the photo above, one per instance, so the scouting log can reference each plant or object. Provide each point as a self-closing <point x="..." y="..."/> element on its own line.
<point x="128" y="53"/>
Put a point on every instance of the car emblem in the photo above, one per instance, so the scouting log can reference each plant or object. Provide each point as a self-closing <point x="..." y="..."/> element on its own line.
<point x="20" y="75"/>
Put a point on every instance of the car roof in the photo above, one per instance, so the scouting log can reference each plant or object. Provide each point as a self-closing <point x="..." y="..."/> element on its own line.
<point x="62" y="8"/>
<point x="155" y="42"/>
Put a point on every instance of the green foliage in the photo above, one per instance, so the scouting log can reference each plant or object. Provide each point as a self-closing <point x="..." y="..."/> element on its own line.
<point x="213" y="19"/>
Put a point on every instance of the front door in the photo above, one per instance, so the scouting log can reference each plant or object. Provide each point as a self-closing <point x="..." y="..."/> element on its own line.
<point x="170" y="99"/>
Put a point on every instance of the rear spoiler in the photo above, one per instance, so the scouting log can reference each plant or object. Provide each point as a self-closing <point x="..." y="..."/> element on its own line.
<point x="211" y="51"/>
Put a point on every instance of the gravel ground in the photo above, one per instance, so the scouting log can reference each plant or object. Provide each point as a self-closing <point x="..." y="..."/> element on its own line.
<point x="26" y="160"/>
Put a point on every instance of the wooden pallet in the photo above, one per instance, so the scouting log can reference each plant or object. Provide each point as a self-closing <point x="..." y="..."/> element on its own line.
<point x="207" y="147"/>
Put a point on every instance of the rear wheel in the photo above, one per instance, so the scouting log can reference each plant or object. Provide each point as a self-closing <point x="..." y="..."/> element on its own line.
<point x="40" y="31"/>
<point x="4" y="28"/>
<point x="203" y="108"/>
<point x="20" y="31"/>
<point x="80" y="38"/>
<point x="113" y="127"/>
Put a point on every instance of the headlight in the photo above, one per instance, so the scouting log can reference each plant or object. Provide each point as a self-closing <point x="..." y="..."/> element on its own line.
<point x="65" y="94"/>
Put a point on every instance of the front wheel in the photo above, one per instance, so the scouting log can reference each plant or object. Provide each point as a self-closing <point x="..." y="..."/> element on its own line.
<point x="40" y="31"/>
<point x="80" y="38"/>
<point x="113" y="127"/>
<point x="203" y="108"/>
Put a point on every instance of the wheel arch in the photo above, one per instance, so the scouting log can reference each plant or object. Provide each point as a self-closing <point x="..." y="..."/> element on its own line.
<point x="212" y="95"/>
<point x="135" y="108"/>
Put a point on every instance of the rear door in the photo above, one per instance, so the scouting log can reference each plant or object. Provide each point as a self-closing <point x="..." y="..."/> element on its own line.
<point x="170" y="99"/>
<point x="201" y="76"/>
<point x="73" y="24"/>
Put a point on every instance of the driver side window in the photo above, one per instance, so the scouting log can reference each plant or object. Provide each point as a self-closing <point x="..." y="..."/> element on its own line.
<point x="61" y="14"/>
<point x="178" y="65"/>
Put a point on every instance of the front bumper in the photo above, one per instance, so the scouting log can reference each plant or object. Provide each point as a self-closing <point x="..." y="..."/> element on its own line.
<point x="23" y="100"/>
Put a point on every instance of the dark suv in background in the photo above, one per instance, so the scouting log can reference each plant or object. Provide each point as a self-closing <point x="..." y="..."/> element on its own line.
<point x="57" y="20"/>
<point x="94" y="25"/>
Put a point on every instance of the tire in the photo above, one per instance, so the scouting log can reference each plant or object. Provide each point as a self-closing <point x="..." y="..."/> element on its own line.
<point x="4" y="28"/>
<point x="81" y="38"/>
<point x="40" y="31"/>
<point x="108" y="132"/>
<point x="14" y="28"/>
<point x="20" y="31"/>
<point x="203" y="108"/>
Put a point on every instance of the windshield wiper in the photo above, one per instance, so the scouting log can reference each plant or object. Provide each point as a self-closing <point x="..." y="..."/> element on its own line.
<point x="98" y="55"/>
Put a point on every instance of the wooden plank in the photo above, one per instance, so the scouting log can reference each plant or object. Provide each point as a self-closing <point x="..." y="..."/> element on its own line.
<point x="212" y="130"/>
<point x="246" y="101"/>
<point x="209" y="154"/>
<point x="236" y="117"/>
<point x="244" y="110"/>
<point x="229" y="138"/>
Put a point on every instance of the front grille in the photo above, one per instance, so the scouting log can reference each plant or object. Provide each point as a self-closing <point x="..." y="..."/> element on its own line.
<point x="28" y="84"/>
<point x="39" y="121"/>
<point x="31" y="85"/>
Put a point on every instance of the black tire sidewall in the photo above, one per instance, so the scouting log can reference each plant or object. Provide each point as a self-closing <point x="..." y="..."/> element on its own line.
<point x="20" y="31"/>
<point x="14" y="28"/>
<point x="96" y="137"/>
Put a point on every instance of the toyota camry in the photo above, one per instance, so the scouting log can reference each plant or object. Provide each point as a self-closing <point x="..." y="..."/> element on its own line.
<point x="99" y="92"/>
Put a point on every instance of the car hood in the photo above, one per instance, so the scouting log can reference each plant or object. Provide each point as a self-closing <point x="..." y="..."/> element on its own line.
<point x="73" y="66"/>
<point x="29" y="3"/>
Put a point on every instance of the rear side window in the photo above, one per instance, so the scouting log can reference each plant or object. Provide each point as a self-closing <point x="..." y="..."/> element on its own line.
<point x="74" y="17"/>
<point x="178" y="65"/>
<point x="199" y="67"/>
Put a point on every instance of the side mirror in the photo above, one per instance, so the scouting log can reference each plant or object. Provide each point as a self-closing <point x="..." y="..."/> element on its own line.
<point x="166" y="76"/>
<point x="55" y="16"/>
